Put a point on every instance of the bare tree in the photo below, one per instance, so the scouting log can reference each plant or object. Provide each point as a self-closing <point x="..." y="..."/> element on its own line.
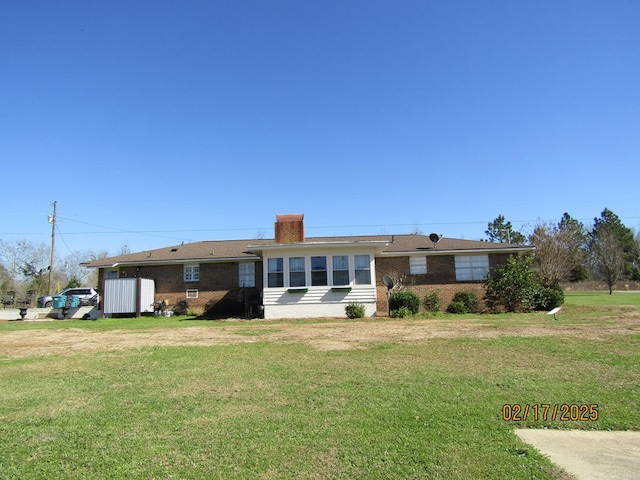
<point x="72" y="268"/>
<point x="607" y="256"/>
<point x="25" y="263"/>
<point x="397" y="280"/>
<point x="5" y="279"/>
<point x="11" y="256"/>
<point x="24" y="266"/>
<point x="37" y="278"/>
<point x="559" y="250"/>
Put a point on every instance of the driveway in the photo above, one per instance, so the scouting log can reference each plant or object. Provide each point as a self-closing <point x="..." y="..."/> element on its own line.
<point x="589" y="455"/>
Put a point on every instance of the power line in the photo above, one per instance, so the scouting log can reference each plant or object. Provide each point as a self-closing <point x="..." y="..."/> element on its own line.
<point x="158" y="233"/>
<point x="308" y="227"/>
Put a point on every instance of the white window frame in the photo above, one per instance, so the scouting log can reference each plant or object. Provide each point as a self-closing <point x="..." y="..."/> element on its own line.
<point x="361" y="277"/>
<point x="192" y="293"/>
<point x="321" y="277"/>
<point x="418" y="265"/>
<point x="356" y="270"/>
<point x="109" y="274"/>
<point x="247" y="274"/>
<point x="300" y="273"/>
<point x="342" y="270"/>
<point x="471" y="268"/>
<point x="276" y="274"/>
<point x="191" y="272"/>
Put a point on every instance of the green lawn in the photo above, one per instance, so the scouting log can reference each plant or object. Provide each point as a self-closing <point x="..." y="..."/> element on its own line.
<point x="274" y="410"/>
<point x="617" y="298"/>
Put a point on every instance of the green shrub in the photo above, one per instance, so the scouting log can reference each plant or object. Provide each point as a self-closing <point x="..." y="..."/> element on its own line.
<point x="402" y="312"/>
<point x="456" y="307"/>
<point x="432" y="302"/>
<point x="355" y="310"/>
<point x="469" y="299"/>
<point x="512" y="286"/>
<point x="404" y="298"/>
<point x="548" y="298"/>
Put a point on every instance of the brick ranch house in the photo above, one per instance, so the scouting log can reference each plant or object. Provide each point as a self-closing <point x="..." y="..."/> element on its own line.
<point x="291" y="276"/>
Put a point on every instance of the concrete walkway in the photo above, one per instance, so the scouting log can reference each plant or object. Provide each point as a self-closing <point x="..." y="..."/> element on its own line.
<point x="41" y="314"/>
<point x="589" y="455"/>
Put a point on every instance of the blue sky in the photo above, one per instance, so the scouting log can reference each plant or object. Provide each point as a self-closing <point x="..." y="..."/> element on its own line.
<point x="157" y="122"/>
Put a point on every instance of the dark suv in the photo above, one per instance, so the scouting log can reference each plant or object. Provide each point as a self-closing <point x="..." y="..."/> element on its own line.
<point x="88" y="296"/>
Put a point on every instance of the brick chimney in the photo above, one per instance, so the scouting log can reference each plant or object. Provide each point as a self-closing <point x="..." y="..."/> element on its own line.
<point x="289" y="228"/>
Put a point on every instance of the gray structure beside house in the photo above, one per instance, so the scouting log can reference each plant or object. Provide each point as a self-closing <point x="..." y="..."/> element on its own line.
<point x="292" y="276"/>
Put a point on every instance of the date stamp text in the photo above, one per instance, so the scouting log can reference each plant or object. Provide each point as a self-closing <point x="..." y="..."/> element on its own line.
<point x="565" y="412"/>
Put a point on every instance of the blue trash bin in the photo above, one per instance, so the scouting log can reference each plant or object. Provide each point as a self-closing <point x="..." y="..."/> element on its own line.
<point x="75" y="301"/>
<point x="59" y="301"/>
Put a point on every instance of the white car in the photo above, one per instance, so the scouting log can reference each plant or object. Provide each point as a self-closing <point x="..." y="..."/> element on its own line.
<point x="88" y="296"/>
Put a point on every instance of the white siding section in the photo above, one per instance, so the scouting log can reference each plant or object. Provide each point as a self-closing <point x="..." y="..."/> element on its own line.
<point x="147" y="295"/>
<point x="281" y="296"/>
<point x="317" y="302"/>
<point x="120" y="295"/>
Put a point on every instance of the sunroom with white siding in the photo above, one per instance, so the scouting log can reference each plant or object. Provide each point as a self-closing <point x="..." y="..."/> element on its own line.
<point x="318" y="279"/>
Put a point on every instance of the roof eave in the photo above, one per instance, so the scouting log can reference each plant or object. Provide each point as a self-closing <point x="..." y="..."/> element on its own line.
<point x="258" y="249"/>
<point x="174" y="261"/>
<point x="450" y="251"/>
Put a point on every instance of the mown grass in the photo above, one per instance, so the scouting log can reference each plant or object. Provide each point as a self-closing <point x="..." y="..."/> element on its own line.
<point x="287" y="411"/>
<point x="143" y="323"/>
<point x="617" y="298"/>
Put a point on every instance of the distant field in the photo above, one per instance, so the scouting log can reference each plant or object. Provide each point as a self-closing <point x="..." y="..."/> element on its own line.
<point x="329" y="399"/>
<point x="617" y="298"/>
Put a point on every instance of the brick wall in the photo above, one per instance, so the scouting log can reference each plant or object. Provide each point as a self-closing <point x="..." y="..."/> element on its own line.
<point x="289" y="228"/>
<point x="446" y="291"/>
<point x="498" y="259"/>
<point x="440" y="269"/>
<point x="218" y="287"/>
<point x="440" y="277"/>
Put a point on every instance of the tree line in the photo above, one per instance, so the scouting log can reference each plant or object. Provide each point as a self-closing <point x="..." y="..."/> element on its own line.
<point x="568" y="251"/>
<point x="24" y="267"/>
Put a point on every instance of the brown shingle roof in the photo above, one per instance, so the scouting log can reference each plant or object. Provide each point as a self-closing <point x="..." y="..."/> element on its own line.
<point x="207" y="250"/>
<point x="237" y="249"/>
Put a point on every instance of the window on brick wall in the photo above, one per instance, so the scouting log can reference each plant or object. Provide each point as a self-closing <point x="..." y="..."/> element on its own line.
<point x="192" y="273"/>
<point x="417" y="265"/>
<point x="247" y="274"/>
<point x="111" y="274"/>
<point x="471" y="267"/>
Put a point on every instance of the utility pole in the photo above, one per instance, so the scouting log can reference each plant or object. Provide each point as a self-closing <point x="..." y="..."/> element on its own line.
<point x="52" y="221"/>
<point x="508" y="232"/>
